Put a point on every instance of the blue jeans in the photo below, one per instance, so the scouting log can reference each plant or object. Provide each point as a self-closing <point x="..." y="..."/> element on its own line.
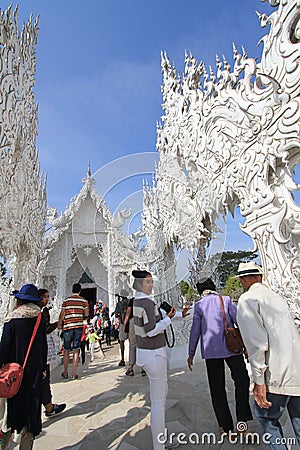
<point x="269" y="418"/>
<point x="72" y="336"/>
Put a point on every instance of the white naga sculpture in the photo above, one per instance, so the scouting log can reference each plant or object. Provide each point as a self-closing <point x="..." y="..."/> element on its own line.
<point x="232" y="139"/>
<point x="22" y="193"/>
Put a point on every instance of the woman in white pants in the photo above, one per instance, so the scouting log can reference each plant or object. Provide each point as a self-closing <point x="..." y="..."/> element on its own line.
<point x="151" y="352"/>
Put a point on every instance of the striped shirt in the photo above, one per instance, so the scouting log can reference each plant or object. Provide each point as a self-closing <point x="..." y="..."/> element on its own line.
<point x="145" y="316"/>
<point x="74" y="307"/>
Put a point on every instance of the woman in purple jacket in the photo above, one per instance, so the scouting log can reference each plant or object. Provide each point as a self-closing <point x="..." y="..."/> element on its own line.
<point x="208" y="324"/>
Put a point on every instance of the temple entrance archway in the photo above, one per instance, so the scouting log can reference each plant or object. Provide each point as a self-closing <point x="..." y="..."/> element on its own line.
<point x="90" y="294"/>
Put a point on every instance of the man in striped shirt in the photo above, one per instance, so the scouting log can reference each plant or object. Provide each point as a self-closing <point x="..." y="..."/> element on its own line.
<point x="74" y="310"/>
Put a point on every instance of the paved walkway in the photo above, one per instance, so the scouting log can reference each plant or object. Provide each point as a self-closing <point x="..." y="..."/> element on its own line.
<point x="108" y="410"/>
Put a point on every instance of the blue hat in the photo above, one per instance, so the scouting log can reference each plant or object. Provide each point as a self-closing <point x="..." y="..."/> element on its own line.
<point x="28" y="292"/>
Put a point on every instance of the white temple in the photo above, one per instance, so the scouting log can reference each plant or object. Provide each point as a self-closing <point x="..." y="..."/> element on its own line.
<point x="85" y="245"/>
<point x="228" y="138"/>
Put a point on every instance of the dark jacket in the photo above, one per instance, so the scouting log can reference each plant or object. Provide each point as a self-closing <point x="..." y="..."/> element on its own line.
<point x="24" y="409"/>
<point x="49" y="326"/>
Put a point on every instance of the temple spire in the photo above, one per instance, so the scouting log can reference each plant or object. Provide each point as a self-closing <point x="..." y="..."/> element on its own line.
<point x="88" y="178"/>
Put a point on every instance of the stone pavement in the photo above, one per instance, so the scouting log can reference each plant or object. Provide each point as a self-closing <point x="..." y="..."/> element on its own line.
<point x="108" y="410"/>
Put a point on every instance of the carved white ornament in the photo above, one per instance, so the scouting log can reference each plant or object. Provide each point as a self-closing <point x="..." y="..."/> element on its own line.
<point x="22" y="193"/>
<point x="229" y="139"/>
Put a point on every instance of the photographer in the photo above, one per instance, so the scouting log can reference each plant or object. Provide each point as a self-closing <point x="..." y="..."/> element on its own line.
<point x="151" y="349"/>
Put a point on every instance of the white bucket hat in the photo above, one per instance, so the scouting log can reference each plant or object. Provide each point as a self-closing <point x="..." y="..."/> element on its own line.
<point x="249" y="268"/>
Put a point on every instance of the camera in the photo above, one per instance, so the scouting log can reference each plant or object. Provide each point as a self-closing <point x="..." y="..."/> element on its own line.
<point x="166" y="307"/>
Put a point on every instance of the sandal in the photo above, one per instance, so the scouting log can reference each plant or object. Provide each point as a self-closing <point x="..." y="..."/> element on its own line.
<point x="143" y="373"/>
<point x="129" y="372"/>
<point x="64" y="375"/>
<point x="74" y="377"/>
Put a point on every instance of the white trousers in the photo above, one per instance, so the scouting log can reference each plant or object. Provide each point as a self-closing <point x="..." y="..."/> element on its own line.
<point x="156" y="369"/>
<point x="91" y="348"/>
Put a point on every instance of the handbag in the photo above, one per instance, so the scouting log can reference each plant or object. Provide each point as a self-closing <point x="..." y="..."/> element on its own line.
<point x="11" y="374"/>
<point x="233" y="338"/>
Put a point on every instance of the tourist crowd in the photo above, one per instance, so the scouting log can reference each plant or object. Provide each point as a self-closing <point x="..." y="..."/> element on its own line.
<point x="271" y="345"/>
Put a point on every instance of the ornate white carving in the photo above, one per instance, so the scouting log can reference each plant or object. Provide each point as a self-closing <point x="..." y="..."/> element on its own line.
<point x="232" y="139"/>
<point x="22" y="193"/>
<point x="120" y="217"/>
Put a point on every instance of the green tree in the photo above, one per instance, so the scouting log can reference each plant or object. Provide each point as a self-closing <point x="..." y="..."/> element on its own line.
<point x="233" y="287"/>
<point x="191" y="293"/>
<point x="183" y="287"/>
<point x="3" y="270"/>
<point x="229" y="262"/>
<point x="4" y="276"/>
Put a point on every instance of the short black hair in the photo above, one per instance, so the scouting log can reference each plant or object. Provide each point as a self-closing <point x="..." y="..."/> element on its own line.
<point x="139" y="275"/>
<point x="42" y="292"/>
<point x="76" y="288"/>
<point x="205" y="285"/>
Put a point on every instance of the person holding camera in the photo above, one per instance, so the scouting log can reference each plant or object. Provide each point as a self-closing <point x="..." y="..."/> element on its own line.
<point x="151" y="351"/>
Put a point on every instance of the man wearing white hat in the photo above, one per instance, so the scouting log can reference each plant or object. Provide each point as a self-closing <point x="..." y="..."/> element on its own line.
<point x="273" y="344"/>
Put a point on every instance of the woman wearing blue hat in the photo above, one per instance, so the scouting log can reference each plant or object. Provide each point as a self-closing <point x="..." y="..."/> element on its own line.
<point x="24" y="409"/>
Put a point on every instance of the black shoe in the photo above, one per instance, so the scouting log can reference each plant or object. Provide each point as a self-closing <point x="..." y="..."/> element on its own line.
<point x="173" y="443"/>
<point x="57" y="409"/>
<point x="121" y="363"/>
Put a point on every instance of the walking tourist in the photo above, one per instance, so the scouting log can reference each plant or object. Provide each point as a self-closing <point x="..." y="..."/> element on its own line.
<point x="92" y="337"/>
<point x="115" y="326"/>
<point x="96" y="322"/>
<point x="74" y="310"/>
<point x="107" y="330"/>
<point x="23" y="420"/>
<point x="151" y="351"/>
<point x="273" y="344"/>
<point x="83" y="341"/>
<point x="51" y="409"/>
<point x="208" y="326"/>
<point x="120" y="313"/>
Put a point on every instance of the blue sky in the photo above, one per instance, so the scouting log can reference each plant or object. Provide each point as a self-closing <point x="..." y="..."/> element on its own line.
<point x="98" y="78"/>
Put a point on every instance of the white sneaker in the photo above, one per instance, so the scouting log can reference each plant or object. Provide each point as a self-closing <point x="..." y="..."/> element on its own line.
<point x="172" y="443"/>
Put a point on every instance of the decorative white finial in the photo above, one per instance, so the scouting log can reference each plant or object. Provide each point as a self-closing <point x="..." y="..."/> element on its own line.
<point x="88" y="179"/>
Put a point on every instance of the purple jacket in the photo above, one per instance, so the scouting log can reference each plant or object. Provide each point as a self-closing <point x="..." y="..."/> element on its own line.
<point x="208" y="323"/>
